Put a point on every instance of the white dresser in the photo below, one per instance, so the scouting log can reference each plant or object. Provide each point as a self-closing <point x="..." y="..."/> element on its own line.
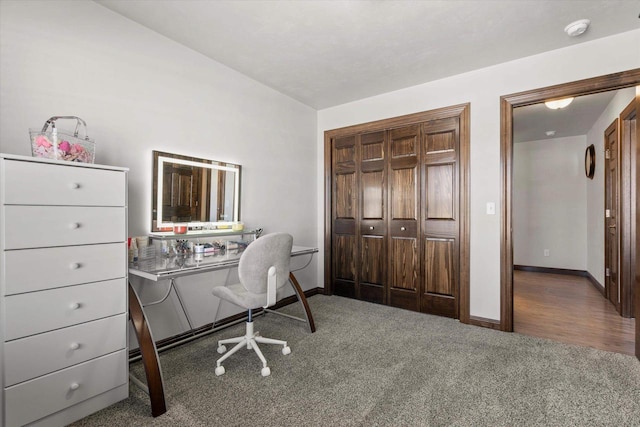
<point x="63" y="290"/>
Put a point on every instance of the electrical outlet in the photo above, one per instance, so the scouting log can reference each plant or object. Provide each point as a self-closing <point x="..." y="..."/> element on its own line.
<point x="546" y="252"/>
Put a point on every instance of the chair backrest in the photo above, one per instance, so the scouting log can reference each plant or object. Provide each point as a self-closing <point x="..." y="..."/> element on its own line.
<point x="269" y="250"/>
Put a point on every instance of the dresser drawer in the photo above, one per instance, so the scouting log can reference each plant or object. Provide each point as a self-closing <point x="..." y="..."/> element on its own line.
<point x="41" y="354"/>
<point x="45" y="184"/>
<point x="36" y="312"/>
<point x="40" y="226"/>
<point x="37" y="269"/>
<point x="35" y="399"/>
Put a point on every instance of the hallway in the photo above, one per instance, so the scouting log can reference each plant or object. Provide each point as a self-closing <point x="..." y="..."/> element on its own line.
<point x="569" y="309"/>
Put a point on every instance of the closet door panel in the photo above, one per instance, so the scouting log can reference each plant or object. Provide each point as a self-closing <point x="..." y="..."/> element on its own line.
<point x="344" y="266"/>
<point x="373" y="226"/>
<point x="372" y="195"/>
<point x="441" y="140"/>
<point x="440" y="217"/>
<point x="372" y="146"/>
<point x="403" y="262"/>
<point x="344" y="216"/>
<point x="372" y="269"/>
<point x="440" y="277"/>
<point x="403" y="171"/>
<point x="403" y="193"/>
<point x="440" y="191"/>
<point x="344" y="185"/>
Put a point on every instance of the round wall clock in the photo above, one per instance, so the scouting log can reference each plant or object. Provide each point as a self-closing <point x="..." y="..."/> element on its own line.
<point x="590" y="161"/>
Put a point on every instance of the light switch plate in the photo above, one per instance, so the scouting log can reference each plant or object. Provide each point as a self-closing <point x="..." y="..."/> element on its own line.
<point x="491" y="208"/>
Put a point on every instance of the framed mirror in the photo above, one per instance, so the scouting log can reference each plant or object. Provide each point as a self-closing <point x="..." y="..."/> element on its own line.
<point x="196" y="192"/>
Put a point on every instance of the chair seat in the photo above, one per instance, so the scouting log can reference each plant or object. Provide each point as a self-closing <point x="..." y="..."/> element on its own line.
<point x="239" y="296"/>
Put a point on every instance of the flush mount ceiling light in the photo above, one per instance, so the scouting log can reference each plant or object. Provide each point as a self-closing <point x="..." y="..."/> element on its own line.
<point x="550" y="132"/>
<point x="558" y="103"/>
<point x="576" y="28"/>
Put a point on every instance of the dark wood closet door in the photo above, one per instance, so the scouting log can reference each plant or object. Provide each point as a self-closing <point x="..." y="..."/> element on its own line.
<point x="395" y="219"/>
<point x="404" y="258"/>
<point x="441" y="219"/>
<point x="373" y="227"/>
<point x="344" y="213"/>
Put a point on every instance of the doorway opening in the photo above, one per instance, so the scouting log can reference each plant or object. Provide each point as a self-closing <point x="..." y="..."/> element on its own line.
<point x="629" y="254"/>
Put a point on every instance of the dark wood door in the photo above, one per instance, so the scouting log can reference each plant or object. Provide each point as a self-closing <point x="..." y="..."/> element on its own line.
<point x="373" y="217"/>
<point x="181" y="189"/>
<point x="344" y="211"/>
<point x="394" y="229"/>
<point x="404" y="250"/>
<point x="441" y="219"/>
<point x="628" y="219"/>
<point x="611" y="230"/>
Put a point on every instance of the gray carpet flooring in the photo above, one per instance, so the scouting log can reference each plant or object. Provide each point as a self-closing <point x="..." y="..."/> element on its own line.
<point x="372" y="365"/>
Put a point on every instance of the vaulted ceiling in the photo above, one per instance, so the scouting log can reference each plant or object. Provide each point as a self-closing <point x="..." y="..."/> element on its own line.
<point x="325" y="53"/>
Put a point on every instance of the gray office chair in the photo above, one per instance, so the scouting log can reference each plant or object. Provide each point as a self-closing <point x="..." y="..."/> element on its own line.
<point x="262" y="270"/>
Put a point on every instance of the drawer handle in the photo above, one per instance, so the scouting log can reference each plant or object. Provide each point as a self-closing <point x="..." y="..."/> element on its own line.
<point x="371" y="228"/>
<point x="74" y="306"/>
<point x="403" y="228"/>
<point x="74" y="346"/>
<point x="74" y="186"/>
<point x="74" y="386"/>
<point x="74" y="225"/>
<point x="74" y="266"/>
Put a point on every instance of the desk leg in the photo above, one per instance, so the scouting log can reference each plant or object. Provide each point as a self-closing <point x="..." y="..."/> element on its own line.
<point x="149" y="354"/>
<point x="303" y="299"/>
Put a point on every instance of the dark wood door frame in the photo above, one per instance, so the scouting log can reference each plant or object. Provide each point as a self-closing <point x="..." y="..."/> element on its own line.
<point x="463" y="111"/>
<point x="611" y="222"/>
<point x="605" y="83"/>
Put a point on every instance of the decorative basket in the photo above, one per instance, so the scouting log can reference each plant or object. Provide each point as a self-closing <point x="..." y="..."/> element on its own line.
<point x="60" y="145"/>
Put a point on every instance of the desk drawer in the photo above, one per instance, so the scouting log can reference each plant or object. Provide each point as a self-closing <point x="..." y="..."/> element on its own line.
<point x="36" y="312"/>
<point x="37" y="269"/>
<point x="45" y="184"/>
<point x="35" y="399"/>
<point x="31" y="357"/>
<point x="41" y="226"/>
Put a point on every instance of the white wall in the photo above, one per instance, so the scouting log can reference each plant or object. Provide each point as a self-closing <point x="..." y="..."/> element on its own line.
<point x="139" y="91"/>
<point x="550" y="203"/>
<point x="483" y="88"/>
<point x="595" y="187"/>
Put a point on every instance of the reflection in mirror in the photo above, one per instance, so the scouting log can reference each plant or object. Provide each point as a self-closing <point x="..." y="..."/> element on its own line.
<point x="200" y="192"/>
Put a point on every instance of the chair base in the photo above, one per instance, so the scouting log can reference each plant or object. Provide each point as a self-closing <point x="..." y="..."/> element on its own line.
<point x="250" y="340"/>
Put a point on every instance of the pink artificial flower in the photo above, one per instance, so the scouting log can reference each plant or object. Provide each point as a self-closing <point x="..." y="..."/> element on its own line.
<point x="64" y="146"/>
<point x="77" y="149"/>
<point x="42" y="141"/>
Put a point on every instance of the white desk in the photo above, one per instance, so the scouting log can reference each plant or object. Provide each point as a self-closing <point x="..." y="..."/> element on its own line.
<point x="160" y="268"/>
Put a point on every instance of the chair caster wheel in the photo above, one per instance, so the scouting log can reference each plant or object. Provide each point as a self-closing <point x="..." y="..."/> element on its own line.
<point x="266" y="371"/>
<point x="286" y="350"/>
<point x="219" y="370"/>
<point x="222" y="349"/>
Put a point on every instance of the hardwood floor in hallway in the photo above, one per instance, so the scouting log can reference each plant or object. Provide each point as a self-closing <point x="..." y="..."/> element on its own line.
<point x="569" y="309"/>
